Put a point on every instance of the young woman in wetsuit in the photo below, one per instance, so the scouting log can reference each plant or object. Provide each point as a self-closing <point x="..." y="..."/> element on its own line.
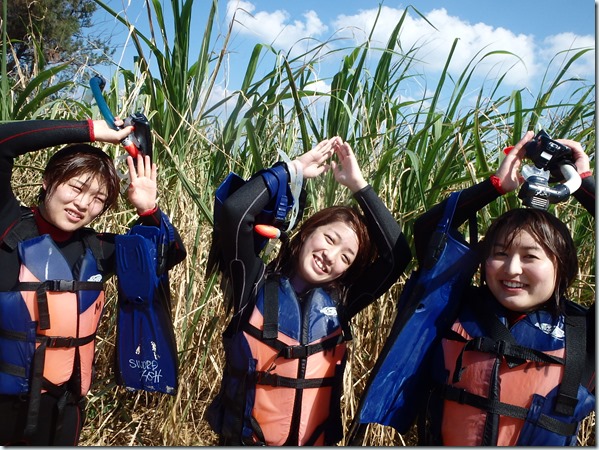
<point x="285" y="345"/>
<point x="48" y="325"/>
<point x="499" y="371"/>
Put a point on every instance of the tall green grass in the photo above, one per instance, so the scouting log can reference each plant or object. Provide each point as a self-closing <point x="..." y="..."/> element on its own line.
<point x="414" y="152"/>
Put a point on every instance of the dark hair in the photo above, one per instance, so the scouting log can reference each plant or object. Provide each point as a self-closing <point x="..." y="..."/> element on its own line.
<point x="287" y="259"/>
<point x="551" y="234"/>
<point x="79" y="159"/>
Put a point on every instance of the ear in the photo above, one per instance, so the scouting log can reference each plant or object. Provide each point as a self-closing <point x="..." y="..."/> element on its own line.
<point x="44" y="184"/>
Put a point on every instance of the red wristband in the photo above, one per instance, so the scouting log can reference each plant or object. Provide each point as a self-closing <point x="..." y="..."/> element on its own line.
<point x="90" y="125"/>
<point x="497" y="184"/>
<point x="507" y="150"/>
<point x="586" y="174"/>
<point x="149" y="212"/>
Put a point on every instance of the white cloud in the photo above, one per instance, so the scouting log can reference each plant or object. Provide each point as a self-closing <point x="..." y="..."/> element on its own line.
<point x="434" y="45"/>
<point x="584" y="66"/>
<point x="276" y="28"/>
<point x="522" y="59"/>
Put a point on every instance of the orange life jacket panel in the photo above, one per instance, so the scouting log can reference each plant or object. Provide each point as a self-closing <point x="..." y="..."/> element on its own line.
<point x="284" y="371"/>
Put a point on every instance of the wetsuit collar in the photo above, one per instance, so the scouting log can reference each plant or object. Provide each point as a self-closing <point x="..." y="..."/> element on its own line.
<point x="45" y="227"/>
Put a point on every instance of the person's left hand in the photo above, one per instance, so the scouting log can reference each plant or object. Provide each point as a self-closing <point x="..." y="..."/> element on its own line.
<point x="347" y="170"/>
<point x="142" y="190"/>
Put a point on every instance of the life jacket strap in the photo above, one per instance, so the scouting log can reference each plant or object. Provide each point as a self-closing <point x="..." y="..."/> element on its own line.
<point x="42" y="287"/>
<point x="513" y="353"/>
<point x="271" y="379"/>
<point x="505" y="409"/>
<point x="294" y="351"/>
<point x="65" y="342"/>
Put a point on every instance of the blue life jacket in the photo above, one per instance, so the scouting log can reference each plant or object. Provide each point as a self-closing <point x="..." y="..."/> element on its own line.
<point x="284" y="369"/>
<point x="527" y="385"/>
<point x="48" y="323"/>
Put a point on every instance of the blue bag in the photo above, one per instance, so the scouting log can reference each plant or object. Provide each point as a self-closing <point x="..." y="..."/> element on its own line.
<point x="146" y="349"/>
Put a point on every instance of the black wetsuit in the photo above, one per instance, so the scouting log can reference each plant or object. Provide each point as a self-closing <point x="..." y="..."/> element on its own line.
<point x="248" y="271"/>
<point x="18" y="138"/>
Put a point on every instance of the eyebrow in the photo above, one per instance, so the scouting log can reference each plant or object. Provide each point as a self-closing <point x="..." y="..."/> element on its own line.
<point x="530" y="247"/>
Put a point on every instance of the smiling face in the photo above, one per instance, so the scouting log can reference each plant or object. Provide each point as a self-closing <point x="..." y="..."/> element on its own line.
<point x="519" y="272"/>
<point x="325" y="255"/>
<point x="75" y="203"/>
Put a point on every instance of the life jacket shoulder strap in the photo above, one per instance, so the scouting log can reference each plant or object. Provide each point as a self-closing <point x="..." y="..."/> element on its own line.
<point x="21" y="230"/>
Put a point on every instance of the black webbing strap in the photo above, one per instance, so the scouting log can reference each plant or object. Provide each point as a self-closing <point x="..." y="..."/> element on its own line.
<point x="271" y="379"/>
<point x="42" y="287"/>
<point x="294" y="351"/>
<point x="505" y="409"/>
<point x="35" y="392"/>
<point x="513" y="353"/>
<point x="271" y="309"/>
<point x="567" y="397"/>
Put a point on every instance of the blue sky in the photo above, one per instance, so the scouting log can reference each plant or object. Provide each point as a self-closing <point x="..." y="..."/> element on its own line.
<point x="534" y="30"/>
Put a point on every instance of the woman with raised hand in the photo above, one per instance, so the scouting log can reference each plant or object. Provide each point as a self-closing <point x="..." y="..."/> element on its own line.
<point x="517" y="366"/>
<point x="285" y="345"/>
<point x="53" y="270"/>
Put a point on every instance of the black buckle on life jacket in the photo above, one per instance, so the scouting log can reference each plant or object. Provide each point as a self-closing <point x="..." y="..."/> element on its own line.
<point x="59" y="285"/>
<point x="294" y="352"/>
<point x="60" y="342"/>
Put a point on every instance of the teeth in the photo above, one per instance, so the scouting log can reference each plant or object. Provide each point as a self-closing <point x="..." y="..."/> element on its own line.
<point x="71" y="213"/>
<point x="320" y="265"/>
<point x="513" y="284"/>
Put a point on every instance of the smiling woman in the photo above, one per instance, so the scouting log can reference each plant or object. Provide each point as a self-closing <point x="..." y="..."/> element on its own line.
<point x="53" y="273"/>
<point x="285" y="345"/>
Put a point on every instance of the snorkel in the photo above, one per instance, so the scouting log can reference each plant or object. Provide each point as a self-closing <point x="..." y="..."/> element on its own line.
<point x="138" y="142"/>
<point x="549" y="157"/>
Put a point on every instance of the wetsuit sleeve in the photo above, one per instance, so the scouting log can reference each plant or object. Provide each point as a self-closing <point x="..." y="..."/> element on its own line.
<point x="393" y="253"/>
<point x="471" y="200"/>
<point x="238" y="216"/>
<point x="586" y="194"/>
<point x="20" y="137"/>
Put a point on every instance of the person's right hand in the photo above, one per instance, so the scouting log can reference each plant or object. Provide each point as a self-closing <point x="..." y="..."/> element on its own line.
<point x="104" y="133"/>
<point x="313" y="162"/>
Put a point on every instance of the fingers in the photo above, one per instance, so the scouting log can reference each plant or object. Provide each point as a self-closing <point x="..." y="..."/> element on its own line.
<point x="143" y="167"/>
<point x="519" y="149"/>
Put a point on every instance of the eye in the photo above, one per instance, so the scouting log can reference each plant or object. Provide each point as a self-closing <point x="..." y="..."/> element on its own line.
<point x="346" y="260"/>
<point x="75" y="187"/>
<point x="531" y="256"/>
<point x="328" y="238"/>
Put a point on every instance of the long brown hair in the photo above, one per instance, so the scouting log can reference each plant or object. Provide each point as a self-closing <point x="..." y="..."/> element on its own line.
<point x="81" y="159"/>
<point x="287" y="259"/>
<point x="550" y="233"/>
